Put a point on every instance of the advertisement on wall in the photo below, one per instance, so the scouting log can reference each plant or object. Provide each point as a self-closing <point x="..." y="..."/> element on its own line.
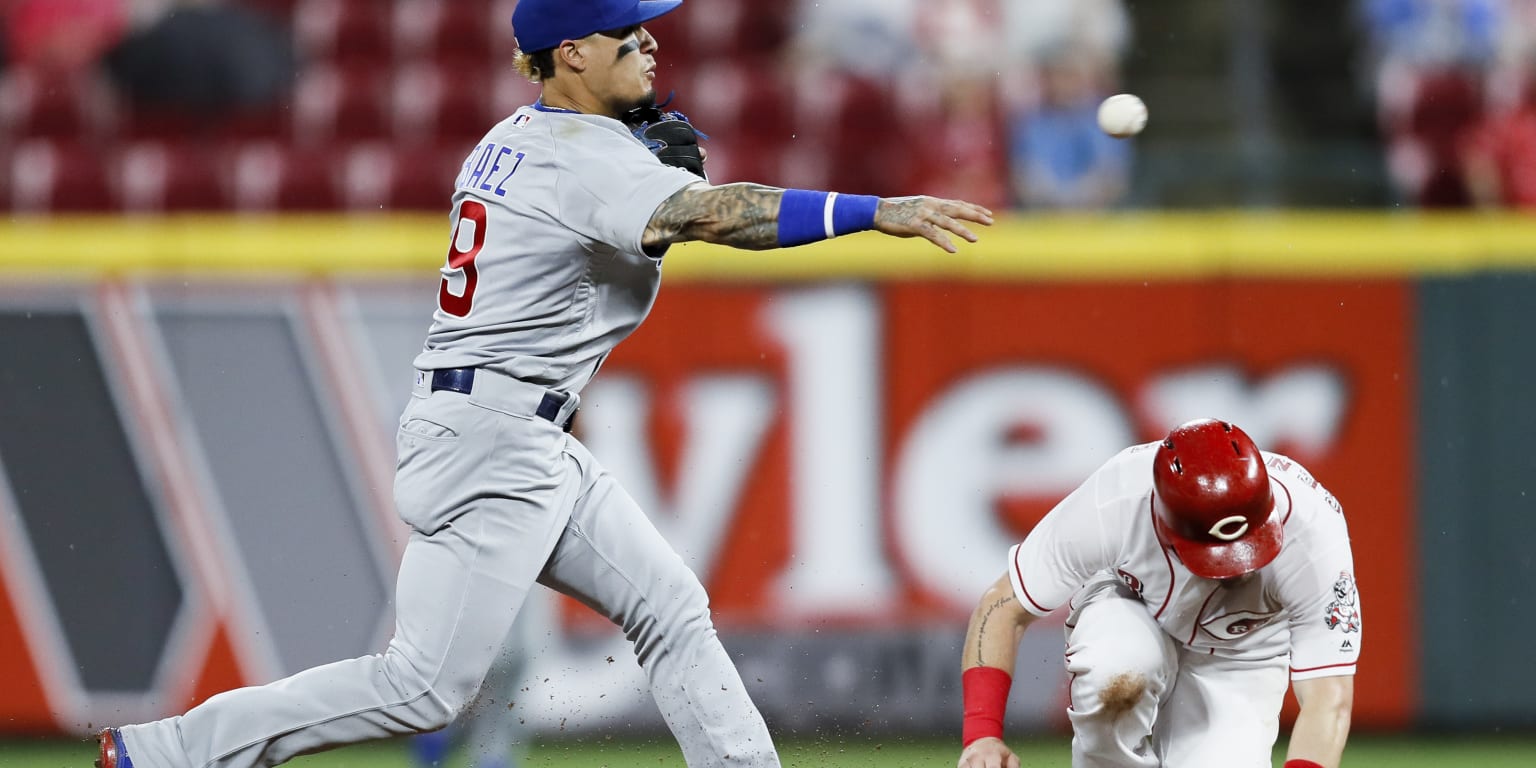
<point x="858" y="458"/>
<point x="844" y="464"/>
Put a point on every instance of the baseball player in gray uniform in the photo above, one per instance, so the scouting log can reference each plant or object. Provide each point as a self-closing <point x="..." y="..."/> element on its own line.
<point x="1200" y="576"/>
<point x="560" y="220"/>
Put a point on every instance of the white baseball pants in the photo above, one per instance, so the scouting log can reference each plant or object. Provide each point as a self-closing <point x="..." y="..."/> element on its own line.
<point x="497" y="499"/>
<point x="1140" y="700"/>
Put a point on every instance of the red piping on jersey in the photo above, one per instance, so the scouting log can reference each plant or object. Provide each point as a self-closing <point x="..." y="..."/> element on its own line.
<point x="1172" y="577"/>
<point x="1325" y="666"/>
<point x="1201" y="615"/>
<point x="1020" y="572"/>
<point x="1290" y="503"/>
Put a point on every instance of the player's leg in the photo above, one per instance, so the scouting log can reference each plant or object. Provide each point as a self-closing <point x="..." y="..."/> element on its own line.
<point x="1122" y="665"/>
<point x="487" y="505"/>
<point x="613" y="560"/>
<point x="491" y="732"/>
<point x="1222" y="713"/>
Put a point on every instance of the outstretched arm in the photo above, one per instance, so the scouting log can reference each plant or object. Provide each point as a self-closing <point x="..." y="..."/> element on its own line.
<point x="1323" y="723"/>
<point x="747" y="216"/>
<point x="991" y="648"/>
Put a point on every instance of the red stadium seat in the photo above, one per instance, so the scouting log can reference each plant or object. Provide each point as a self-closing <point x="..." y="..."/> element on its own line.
<point x="423" y="177"/>
<point x="714" y="97"/>
<point x="163" y="124"/>
<point x="333" y="103"/>
<point x="308" y="181"/>
<point x="154" y="177"/>
<point x="808" y="164"/>
<point x="271" y="177"/>
<point x="742" y="161"/>
<point x="857" y="121"/>
<point x="58" y="177"/>
<point x="38" y="105"/>
<point x="458" y="30"/>
<point x="346" y="32"/>
<point x="448" y="102"/>
<point x="509" y="92"/>
<point x="713" y="34"/>
<point x="676" y="54"/>
<point x="377" y="177"/>
<point x="767" y="111"/>
<point x="250" y="124"/>
<point x="764" y="28"/>
<point x="364" y="176"/>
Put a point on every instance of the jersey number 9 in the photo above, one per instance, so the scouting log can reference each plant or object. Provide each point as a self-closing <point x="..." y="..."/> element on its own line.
<point x="461" y="260"/>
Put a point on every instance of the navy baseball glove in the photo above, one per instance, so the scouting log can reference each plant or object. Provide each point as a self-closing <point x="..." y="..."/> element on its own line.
<point x="669" y="136"/>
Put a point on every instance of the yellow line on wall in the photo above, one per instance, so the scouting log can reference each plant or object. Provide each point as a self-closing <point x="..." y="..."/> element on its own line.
<point x="1117" y="246"/>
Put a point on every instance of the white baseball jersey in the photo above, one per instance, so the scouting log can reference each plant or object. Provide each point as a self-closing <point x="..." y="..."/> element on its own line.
<point x="546" y="273"/>
<point x="1303" y="603"/>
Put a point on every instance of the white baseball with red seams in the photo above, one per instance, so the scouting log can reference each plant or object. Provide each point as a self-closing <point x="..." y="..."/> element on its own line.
<point x="1217" y="650"/>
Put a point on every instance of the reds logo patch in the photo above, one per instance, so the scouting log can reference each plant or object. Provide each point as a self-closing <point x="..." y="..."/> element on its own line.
<point x="1342" y="613"/>
<point x="1234" y="625"/>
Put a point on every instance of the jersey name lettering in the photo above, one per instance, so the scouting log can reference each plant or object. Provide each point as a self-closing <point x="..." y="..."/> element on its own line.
<point x="483" y="169"/>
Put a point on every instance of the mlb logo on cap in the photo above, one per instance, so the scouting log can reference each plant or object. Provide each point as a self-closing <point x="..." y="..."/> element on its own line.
<point x="542" y="24"/>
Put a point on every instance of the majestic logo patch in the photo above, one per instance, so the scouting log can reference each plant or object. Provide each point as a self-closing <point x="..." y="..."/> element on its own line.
<point x="1341" y="613"/>
<point x="1234" y="625"/>
<point x="1230" y="528"/>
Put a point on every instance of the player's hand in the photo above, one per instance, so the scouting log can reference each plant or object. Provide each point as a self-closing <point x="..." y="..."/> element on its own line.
<point x="930" y="218"/>
<point x="988" y="752"/>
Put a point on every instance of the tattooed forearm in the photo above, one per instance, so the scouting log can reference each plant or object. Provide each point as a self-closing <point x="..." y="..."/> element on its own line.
<point x="981" y="631"/>
<point x="740" y="215"/>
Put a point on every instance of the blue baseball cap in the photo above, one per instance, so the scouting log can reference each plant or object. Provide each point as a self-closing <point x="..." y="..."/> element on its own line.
<point x="542" y="24"/>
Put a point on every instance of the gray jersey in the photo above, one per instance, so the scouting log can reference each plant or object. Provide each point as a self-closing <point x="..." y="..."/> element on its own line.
<point x="545" y="272"/>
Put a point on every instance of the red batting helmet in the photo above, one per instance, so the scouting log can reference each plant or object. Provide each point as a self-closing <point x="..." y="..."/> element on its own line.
<point x="1211" y="500"/>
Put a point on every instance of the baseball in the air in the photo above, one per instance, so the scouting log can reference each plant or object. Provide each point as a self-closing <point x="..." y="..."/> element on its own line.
<point x="1122" y="115"/>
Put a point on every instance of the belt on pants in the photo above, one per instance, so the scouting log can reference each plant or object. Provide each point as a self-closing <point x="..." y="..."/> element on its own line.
<point x="503" y="392"/>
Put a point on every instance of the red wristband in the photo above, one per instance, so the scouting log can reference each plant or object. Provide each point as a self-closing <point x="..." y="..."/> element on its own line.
<point x="985" y="690"/>
<point x="1302" y="764"/>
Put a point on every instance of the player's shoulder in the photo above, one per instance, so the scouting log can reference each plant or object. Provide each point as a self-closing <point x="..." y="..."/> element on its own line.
<point x="1133" y="464"/>
<point x="1308" y="502"/>
<point x="527" y="126"/>
<point x="1125" y="479"/>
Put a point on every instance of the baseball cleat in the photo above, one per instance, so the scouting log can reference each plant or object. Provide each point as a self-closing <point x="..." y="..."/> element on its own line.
<point x="113" y="754"/>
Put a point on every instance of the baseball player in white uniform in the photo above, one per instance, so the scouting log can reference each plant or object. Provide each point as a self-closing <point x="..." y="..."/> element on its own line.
<point x="1199" y="575"/>
<point x="560" y="221"/>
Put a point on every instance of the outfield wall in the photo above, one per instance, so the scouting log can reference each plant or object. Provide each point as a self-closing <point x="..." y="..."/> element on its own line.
<point x="196" y="420"/>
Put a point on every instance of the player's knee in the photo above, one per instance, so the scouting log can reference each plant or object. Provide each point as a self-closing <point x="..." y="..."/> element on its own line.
<point x="680" y="620"/>
<point x="1123" y="692"/>
<point x="430" y="703"/>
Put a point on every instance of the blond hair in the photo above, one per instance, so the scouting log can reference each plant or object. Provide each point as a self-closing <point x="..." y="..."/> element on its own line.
<point x="537" y="66"/>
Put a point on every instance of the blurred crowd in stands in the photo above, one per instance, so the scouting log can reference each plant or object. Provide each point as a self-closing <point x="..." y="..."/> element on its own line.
<point x="359" y="105"/>
<point x="1455" y="84"/>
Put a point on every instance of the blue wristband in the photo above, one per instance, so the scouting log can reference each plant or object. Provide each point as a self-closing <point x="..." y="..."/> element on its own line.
<point x="853" y="213"/>
<point x="806" y="216"/>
